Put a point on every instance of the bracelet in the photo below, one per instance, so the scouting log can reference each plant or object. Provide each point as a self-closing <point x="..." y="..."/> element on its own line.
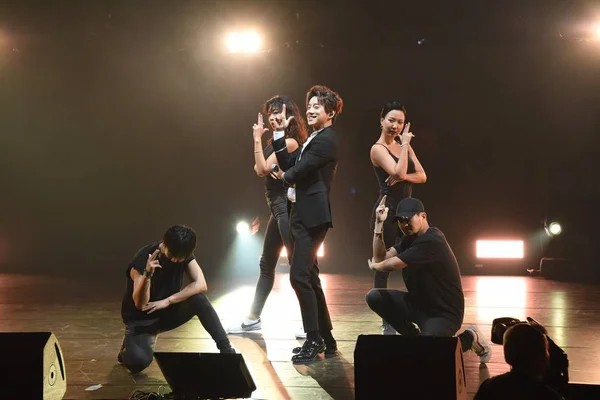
<point x="258" y="151"/>
<point x="403" y="145"/>
<point x="378" y="233"/>
<point x="147" y="274"/>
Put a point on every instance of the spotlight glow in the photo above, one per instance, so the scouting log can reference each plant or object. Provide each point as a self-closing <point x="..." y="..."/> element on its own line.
<point x="243" y="42"/>
<point x="320" y="252"/>
<point x="554" y="228"/>
<point x="596" y="31"/>
<point x="243" y="228"/>
<point x="499" y="248"/>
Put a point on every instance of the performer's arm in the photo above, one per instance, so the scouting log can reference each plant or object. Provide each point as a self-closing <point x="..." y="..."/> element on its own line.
<point x="382" y="158"/>
<point x="378" y="246"/>
<point x="141" y="288"/>
<point x="419" y="176"/>
<point x="418" y="253"/>
<point x="141" y="282"/>
<point x="321" y="152"/>
<point x="379" y="251"/>
<point x="197" y="284"/>
<point x="285" y="157"/>
<point x="262" y="166"/>
<point x="389" y="264"/>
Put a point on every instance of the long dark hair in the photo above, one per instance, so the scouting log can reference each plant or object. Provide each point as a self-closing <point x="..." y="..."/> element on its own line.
<point x="297" y="128"/>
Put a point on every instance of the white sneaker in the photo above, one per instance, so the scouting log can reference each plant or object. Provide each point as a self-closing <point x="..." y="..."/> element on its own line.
<point x="480" y="345"/>
<point x="386" y="329"/>
<point x="248" y="325"/>
<point x="300" y="334"/>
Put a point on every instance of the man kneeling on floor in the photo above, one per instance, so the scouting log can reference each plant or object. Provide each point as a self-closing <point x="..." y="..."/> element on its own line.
<point x="154" y="301"/>
<point x="434" y="303"/>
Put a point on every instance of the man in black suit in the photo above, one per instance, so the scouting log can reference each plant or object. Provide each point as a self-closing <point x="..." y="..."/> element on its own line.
<point x="310" y="171"/>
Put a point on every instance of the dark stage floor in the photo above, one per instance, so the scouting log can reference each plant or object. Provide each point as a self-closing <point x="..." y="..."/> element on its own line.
<point x="85" y="318"/>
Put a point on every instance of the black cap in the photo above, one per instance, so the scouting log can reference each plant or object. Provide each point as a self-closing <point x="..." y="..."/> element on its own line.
<point x="409" y="207"/>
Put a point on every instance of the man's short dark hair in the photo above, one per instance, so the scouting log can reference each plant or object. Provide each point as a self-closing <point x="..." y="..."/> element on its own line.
<point x="180" y="240"/>
<point x="327" y="98"/>
<point x="525" y="347"/>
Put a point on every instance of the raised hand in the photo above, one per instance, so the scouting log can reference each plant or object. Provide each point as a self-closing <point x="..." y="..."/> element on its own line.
<point x="152" y="262"/>
<point x="258" y="128"/>
<point x="281" y="122"/>
<point x="406" y="135"/>
<point x="381" y="212"/>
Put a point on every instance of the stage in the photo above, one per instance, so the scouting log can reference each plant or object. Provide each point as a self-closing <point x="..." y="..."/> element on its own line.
<point x="85" y="317"/>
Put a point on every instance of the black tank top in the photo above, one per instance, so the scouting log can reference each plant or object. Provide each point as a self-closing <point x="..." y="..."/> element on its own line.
<point x="400" y="190"/>
<point x="273" y="187"/>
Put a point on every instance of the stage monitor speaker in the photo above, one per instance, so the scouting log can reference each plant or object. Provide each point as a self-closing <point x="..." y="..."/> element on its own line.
<point x="33" y="366"/>
<point x="206" y="375"/>
<point x="409" y="367"/>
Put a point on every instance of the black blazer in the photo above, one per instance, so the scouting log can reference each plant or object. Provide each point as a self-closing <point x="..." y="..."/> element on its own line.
<point x="312" y="176"/>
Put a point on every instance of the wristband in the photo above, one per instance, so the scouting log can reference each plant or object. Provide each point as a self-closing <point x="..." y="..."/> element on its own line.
<point x="147" y="274"/>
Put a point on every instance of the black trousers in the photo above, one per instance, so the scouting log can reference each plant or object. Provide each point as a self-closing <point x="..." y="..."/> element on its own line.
<point x="137" y="350"/>
<point x="395" y="307"/>
<point x="277" y="235"/>
<point x="304" y="275"/>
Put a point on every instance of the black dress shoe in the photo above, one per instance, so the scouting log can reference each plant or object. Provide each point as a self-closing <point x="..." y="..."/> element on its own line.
<point x="309" y="351"/>
<point x="329" y="349"/>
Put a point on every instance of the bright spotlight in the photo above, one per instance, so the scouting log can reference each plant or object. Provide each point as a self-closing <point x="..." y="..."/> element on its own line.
<point x="499" y="248"/>
<point x="554" y="228"/>
<point x="320" y="252"/>
<point x="243" y="42"/>
<point x="596" y="31"/>
<point x="243" y="228"/>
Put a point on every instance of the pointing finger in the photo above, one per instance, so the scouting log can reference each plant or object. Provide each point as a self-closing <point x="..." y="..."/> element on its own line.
<point x="383" y="199"/>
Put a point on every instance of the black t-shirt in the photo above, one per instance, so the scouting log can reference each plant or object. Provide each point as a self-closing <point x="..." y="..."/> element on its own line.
<point x="432" y="276"/>
<point x="515" y="386"/>
<point x="165" y="281"/>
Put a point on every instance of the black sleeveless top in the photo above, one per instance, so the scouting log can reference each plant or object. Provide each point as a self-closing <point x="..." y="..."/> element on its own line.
<point x="400" y="190"/>
<point x="273" y="187"/>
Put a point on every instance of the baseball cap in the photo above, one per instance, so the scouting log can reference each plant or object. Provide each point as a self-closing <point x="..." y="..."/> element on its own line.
<point x="409" y="207"/>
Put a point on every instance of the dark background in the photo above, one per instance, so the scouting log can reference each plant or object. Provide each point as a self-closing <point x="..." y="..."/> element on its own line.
<point x="120" y="118"/>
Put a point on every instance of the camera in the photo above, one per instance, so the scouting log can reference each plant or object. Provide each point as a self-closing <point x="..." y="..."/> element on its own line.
<point x="557" y="376"/>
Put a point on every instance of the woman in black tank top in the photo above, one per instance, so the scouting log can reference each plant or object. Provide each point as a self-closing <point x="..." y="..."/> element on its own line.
<point x="277" y="233"/>
<point x="397" y="168"/>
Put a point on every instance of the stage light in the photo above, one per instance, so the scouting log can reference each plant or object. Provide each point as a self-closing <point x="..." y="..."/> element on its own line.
<point x="320" y="252"/>
<point x="499" y="249"/>
<point x="243" y="228"/>
<point x="596" y="31"/>
<point x="243" y="42"/>
<point x="554" y="229"/>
